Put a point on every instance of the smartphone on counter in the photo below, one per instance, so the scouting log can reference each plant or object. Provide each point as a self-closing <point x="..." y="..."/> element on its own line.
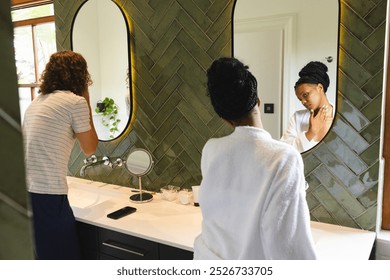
<point x="127" y="210"/>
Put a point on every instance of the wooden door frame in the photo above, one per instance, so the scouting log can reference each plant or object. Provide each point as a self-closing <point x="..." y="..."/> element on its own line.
<point x="386" y="150"/>
<point x="384" y="204"/>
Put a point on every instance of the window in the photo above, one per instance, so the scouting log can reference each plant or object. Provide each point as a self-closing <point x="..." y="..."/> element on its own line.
<point x="34" y="42"/>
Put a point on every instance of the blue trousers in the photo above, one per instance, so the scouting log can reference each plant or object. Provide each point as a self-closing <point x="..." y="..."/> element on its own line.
<point x="55" y="233"/>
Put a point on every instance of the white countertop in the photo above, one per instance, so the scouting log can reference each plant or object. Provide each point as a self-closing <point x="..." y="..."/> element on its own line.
<point x="170" y="223"/>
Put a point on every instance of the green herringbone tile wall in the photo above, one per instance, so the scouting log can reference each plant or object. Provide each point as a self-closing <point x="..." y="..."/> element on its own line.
<point x="174" y="42"/>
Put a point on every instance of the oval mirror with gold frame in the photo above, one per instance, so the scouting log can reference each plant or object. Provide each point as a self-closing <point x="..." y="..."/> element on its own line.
<point x="100" y="32"/>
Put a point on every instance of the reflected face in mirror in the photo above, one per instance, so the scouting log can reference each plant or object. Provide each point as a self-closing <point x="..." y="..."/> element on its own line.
<point x="312" y="96"/>
<point x="100" y="32"/>
<point x="276" y="39"/>
<point x="139" y="162"/>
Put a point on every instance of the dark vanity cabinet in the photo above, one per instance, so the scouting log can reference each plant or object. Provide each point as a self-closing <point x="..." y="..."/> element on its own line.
<point x="89" y="241"/>
<point x="105" y="244"/>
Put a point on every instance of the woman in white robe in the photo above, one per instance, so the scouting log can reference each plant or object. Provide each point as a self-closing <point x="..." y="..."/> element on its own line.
<point x="252" y="194"/>
<point x="309" y="126"/>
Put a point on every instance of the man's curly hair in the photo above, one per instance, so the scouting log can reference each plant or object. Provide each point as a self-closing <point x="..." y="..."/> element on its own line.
<point x="66" y="70"/>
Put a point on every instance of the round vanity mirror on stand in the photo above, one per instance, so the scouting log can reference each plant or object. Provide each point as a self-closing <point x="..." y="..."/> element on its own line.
<point x="139" y="163"/>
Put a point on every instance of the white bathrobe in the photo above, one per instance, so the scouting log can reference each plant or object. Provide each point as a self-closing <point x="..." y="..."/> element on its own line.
<point x="252" y="198"/>
<point x="295" y="133"/>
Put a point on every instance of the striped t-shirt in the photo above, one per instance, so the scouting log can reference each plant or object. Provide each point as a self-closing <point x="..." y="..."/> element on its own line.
<point x="49" y="128"/>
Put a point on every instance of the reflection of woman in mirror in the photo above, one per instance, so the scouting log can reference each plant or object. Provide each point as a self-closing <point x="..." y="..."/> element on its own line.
<point x="250" y="181"/>
<point x="307" y="127"/>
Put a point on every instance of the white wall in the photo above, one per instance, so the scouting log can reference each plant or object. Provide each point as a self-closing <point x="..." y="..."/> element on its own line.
<point x="83" y="28"/>
<point x="315" y="35"/>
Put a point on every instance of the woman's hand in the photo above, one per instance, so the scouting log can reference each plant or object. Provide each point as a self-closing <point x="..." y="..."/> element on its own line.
<point x="319" y="123"/>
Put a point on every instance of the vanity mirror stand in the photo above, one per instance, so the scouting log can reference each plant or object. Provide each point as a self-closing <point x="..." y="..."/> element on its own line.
<point x="139" y="163"/>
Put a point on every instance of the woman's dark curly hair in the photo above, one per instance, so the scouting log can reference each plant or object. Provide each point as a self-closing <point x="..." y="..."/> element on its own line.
<point x="232" y="88"/>
<point x="314" y="73"/>
<point x="66" y="70"/>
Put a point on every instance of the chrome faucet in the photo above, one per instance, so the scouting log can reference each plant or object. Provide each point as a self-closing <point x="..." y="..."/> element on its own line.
<point x="112" y="163"/>
<point x="117" y="162"/>
<point x="92" y="161"/>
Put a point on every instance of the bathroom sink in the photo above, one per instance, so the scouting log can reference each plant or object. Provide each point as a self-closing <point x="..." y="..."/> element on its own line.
<point x="90" y="205"/>
<point x="93" y="200"/>
<point x="85" y="195"/>
<point x="80" y="198"/>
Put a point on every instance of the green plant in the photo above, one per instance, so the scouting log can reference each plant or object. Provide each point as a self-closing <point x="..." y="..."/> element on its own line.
<point x="109" y="111"/>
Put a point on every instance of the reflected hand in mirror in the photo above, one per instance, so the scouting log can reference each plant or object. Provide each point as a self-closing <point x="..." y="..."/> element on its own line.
<point x="309" y="126"/>
<point x="100" y="33"/>
<point x="139" y="163"/>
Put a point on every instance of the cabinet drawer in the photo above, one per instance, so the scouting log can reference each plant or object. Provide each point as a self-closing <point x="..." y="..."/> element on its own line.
<point x="173" y="253"/>
<point x="125" y="247"/>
